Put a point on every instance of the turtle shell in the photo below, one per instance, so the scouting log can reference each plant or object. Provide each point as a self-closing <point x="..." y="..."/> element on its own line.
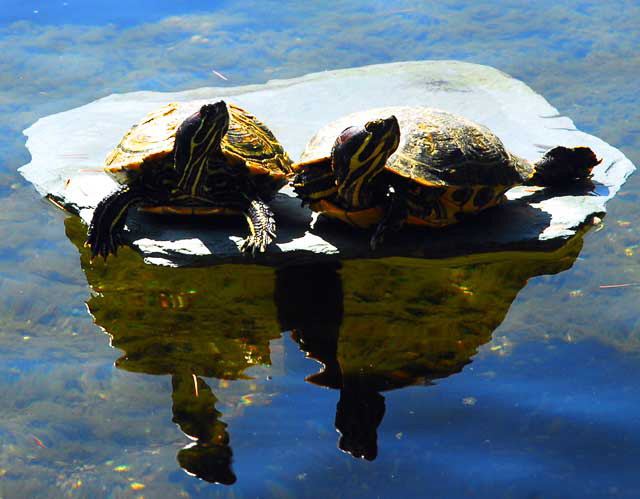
<point x="151" y="141"/>
<point x="437" y="148"/>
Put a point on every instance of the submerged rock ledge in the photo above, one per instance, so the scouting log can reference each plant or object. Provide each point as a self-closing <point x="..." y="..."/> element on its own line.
<point x="68" y="148"/>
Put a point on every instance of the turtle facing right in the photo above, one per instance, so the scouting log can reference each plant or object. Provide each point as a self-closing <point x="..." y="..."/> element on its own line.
<point x="419" y="166"/>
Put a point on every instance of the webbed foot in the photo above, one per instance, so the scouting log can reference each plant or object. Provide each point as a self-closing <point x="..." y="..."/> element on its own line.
<point x="108" y="220"/>
<point x="102" y="243"/>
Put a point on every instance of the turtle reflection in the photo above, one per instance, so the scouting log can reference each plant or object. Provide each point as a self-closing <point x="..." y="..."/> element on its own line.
<point x="383" y="324"/>
<point x="376" y="325"/>
<point x="189" y="324"/>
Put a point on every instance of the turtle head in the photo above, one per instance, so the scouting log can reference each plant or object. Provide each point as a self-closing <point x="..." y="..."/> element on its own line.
<point x="358" y="157"/>
<point x="197" y="138"/>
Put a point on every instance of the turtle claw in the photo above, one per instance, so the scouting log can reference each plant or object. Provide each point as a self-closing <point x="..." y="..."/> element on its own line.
<point x="108" y="220"/>
<point x="263" y="228"/>
<point x="257" y="243"/>
<point x="101" y="245"/>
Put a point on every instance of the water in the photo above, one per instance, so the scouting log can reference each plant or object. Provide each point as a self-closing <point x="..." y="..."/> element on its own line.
<point x="498" y="376"/>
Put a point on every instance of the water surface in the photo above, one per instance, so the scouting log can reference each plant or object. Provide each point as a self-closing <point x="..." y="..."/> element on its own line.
<point x="508" y="375"/>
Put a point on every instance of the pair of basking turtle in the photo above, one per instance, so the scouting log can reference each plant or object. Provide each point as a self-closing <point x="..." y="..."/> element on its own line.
<point x="406" y="165"/>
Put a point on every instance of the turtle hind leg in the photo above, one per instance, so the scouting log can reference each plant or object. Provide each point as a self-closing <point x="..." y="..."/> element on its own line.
<point x="563" y="165"/>
<point x="108" y="220"/>
<point x="262" y="224"/>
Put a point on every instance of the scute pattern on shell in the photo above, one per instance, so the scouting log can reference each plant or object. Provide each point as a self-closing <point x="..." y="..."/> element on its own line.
<point x="439" y="148"/>
<point x="248" y="139"/>
<point x="436" y="148"/>
<point x="153" y="137"/>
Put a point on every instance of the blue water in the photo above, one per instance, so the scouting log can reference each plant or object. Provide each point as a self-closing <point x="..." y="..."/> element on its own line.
<point x="99" y="367"/>
<point x="96" y="12"/>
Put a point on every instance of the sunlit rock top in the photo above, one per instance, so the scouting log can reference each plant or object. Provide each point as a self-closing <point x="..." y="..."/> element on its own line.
<point x="68" y="149"/>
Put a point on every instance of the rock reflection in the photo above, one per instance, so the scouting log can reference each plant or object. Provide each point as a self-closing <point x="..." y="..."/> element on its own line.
<point x="375" y="325"/>
<point x="384" y="324"/>
<point x="188" y="323"/>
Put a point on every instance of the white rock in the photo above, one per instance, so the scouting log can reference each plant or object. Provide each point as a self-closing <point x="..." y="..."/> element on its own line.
<point x="68" y="149"/>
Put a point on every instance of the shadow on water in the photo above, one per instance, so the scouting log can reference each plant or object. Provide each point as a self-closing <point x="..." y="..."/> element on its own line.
<point x="375" y="325"/>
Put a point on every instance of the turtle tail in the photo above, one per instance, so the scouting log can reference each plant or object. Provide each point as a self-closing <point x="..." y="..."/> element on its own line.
<point x="108" y="220"/>
<point x="563" y="165"/>
<point x="314" y="181"/>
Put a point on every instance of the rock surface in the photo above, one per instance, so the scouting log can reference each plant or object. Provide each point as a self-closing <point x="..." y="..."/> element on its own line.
<point x="68" y="149"/>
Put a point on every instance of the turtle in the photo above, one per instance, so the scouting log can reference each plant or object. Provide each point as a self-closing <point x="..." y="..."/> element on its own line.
<point x="419" y="166"/>
<point x="193" y="159"/>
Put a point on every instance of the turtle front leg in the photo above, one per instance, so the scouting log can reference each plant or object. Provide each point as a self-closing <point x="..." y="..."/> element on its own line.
<point x="262" y="224"/>
<point x="108" y="220"/>
<point x="395" y="214"/>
